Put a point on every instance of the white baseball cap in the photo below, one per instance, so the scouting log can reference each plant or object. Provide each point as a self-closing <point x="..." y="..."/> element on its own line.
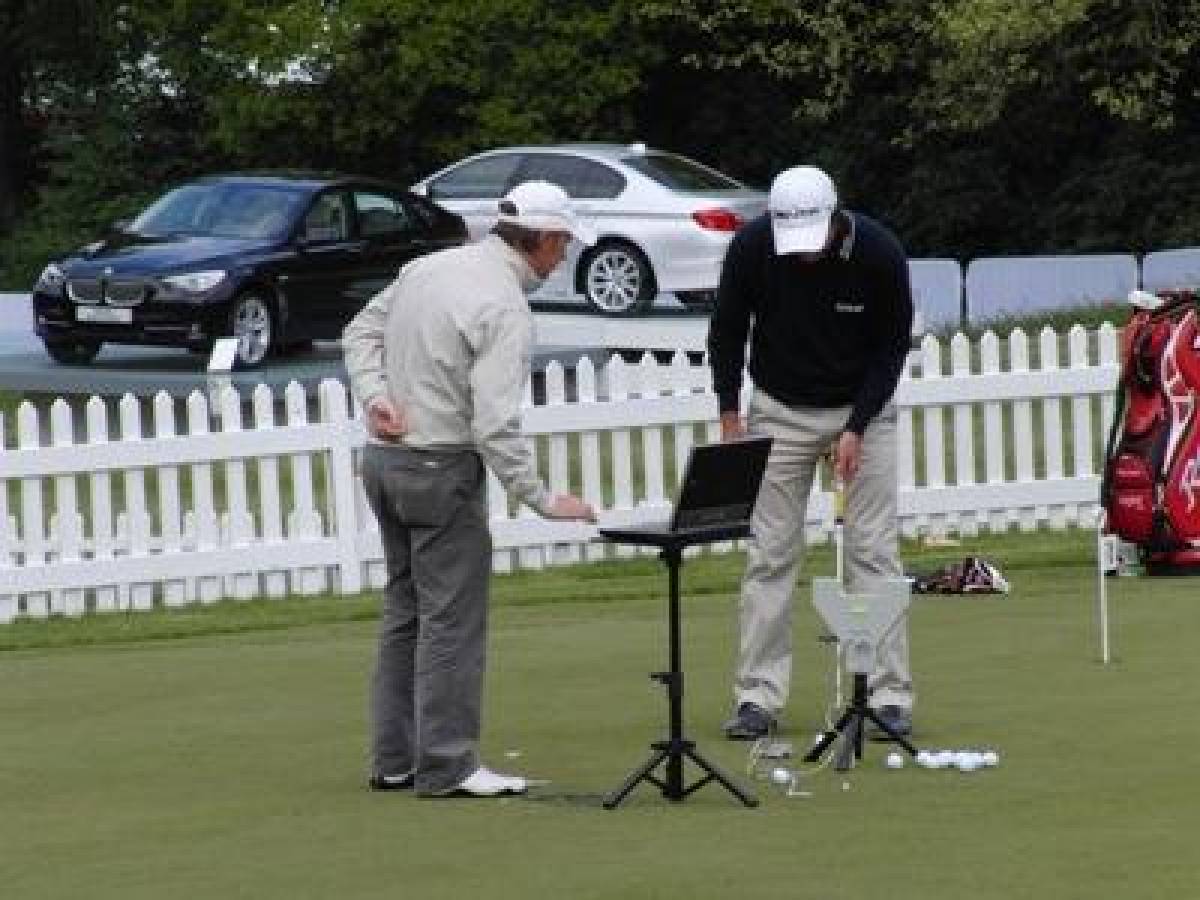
<point x="542" y="206"/>
<point x="801" y="204"/>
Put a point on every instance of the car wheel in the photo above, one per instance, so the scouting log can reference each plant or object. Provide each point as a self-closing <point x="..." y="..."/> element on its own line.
<point x="617" y="279"/>
<point x="73" y="353"/>
<point x="253" y="324"/>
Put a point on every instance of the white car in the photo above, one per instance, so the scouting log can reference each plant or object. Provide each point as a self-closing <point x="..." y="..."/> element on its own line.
<point x="663" y="220"/>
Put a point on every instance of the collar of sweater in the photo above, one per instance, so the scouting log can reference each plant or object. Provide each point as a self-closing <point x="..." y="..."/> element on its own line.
<point x="516" y="260"/>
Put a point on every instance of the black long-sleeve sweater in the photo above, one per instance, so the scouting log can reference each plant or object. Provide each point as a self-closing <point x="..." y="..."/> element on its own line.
<point x="829" y="333"/>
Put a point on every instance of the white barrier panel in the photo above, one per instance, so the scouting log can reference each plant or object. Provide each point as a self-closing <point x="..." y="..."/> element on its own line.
<point x="937" y="286"/>
<point x="1167" y="269"/>
<point x="1014" y="286"/>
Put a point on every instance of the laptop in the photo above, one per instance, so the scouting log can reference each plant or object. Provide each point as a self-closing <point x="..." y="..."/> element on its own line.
<point x="718" y="489"/>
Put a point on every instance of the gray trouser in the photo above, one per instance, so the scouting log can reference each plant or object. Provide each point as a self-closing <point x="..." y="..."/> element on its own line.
<point x="802" y="436"/>
<point x="428" y="684"/>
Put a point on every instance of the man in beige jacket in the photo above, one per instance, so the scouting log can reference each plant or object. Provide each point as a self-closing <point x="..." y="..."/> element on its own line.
<point x="439" y="360"/>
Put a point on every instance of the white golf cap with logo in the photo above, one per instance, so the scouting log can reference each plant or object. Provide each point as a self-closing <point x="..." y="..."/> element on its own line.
<point x="801" y="204"/>
<point x="542" y="206"/>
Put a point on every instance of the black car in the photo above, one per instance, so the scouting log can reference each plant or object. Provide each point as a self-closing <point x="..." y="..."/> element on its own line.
<point x="276" y="260"/>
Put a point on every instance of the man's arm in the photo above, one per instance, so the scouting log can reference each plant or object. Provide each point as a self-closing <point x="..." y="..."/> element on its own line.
<point x="727" y="332"/>
<point x="502" y="349"/>
<point x="363" y="349"/>
<point x="892" y="334"/>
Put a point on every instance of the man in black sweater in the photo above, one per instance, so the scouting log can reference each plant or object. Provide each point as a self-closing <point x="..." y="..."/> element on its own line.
<point x="823" y="295"/>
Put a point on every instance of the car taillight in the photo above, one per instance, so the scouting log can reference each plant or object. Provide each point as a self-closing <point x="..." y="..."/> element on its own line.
<point x="717" y="219"/>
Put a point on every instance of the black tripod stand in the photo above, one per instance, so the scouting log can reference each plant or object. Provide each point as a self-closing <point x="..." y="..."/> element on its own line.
<point x="851" y="725"/>
<point x="676" y="748"/>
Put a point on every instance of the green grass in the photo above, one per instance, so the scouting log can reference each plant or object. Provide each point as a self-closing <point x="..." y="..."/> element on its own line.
<point x="227" y="761"/>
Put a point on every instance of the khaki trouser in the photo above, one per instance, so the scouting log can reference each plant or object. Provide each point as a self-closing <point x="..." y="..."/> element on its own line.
<point x="803" y="435"/>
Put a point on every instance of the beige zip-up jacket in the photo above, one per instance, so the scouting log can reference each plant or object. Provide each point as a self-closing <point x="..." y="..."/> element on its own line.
<point x="449" y="342"/>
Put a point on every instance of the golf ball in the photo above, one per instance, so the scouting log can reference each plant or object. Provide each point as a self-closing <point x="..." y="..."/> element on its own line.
<point x="967" y="762"/>
<point x="781" y="776"/>
<point x="895" y="761"/>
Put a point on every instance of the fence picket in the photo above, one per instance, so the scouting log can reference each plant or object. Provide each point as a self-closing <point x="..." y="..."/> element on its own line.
<point x="1023" y="438"/>
<point x="304" y="521"/>
<point x="33" y="536"/>
<point x="137" y="515"/>
<point x="966" y="521"/>
<point x="1081" y="417"/>
<point x="68" y="518"/>
<point x="204" y="509"/>
<point x="650" y="385"/>
<point x="559" y="480"/>
<point x="270" y="507"/>
<point x="934" y="434"/>
<point x="589" y="450"/>
<point x="622" y="448"/>
<point x="339" y="467"/>
<point x="9" y="603"/>
<point x="239" y="526"/>
<point x="1052" y="432"/>
<point x="175" y="592"/>
<point x="993" y="428"/>
<point x="100" y="486"/>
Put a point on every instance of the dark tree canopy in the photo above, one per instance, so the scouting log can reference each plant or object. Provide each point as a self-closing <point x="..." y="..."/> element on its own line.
<point x="972" y="126"/>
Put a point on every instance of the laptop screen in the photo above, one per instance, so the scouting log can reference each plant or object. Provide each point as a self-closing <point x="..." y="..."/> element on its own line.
<point x="720" y="483"/>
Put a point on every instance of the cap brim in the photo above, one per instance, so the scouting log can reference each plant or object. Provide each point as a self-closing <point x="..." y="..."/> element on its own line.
<point x="793" y="238"/>
<point x="583" y="232"/>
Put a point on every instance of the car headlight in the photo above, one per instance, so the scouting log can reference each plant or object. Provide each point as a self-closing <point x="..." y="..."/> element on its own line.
<point x="52" y="278"/>
<point x="195" y="282"/>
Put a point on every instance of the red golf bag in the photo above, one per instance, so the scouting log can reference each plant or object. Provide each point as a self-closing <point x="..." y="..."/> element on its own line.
<point x="1151" y="485"/>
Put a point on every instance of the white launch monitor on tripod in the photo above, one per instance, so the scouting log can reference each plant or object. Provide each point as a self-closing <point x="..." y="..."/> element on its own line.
<point x="861" y="620"/>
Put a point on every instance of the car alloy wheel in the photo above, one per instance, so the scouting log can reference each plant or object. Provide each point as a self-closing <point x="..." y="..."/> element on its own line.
<point x="617" y="280"/>
<point x="252" y="324"/>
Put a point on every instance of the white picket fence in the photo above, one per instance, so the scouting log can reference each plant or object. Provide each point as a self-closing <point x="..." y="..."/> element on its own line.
<point x="167" y="505"/>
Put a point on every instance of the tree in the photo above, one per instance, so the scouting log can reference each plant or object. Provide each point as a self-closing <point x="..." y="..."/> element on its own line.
<point x="399" y="87"/>
<point x="48" y="51"/>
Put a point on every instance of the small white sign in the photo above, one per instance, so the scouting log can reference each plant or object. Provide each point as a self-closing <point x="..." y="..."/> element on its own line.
<point x="224" y="353"/>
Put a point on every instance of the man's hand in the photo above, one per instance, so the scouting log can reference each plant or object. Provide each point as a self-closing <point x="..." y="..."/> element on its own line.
<point x="733" y="426"/>
<point x="847" y="456"/>
<point x="386" y="420"/>
<point x="568" y="506"/>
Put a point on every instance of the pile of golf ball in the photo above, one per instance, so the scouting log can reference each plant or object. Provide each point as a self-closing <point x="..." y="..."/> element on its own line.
<point x="963" y="760"/>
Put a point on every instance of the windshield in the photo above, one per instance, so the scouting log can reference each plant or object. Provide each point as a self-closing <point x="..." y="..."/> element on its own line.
<point x="680" y="174"/>
<point x="225" y="209"/>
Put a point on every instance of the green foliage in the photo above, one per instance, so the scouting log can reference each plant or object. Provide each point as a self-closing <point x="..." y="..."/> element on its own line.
<point x="972" y="127"/>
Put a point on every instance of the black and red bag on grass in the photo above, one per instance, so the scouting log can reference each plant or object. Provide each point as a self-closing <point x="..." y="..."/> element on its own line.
<point x="1151" y="486"/>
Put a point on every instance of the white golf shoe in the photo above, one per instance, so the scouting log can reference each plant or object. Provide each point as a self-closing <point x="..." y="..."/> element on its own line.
<point x="483" y="782"/>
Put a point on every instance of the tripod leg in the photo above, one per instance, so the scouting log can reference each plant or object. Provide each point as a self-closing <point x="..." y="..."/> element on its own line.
<point x="891" y="733"/>
<point x="829" y="737"/>
<point x="639" y="775"/>
<point x="851" y="747"/>
<point x="720" y="776"/>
